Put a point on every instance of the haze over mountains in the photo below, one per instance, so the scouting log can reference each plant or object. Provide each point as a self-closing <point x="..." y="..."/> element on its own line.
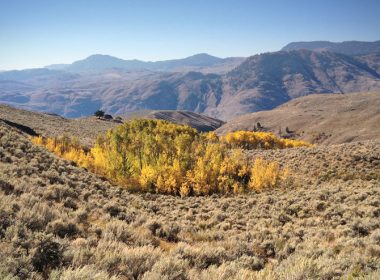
<point x="221" y="88"/>
<point x="99" y="63"/>
<point x="349" y="47"/>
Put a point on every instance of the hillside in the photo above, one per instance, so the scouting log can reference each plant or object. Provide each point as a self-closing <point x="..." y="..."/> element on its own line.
<point x="319" y="118"/>
<point x="372" y="60"/>
<point x="87" y="129"/>
<point x="60" y="221"/>
<point x="197" y="121"/>
<point x="348" y="47"/>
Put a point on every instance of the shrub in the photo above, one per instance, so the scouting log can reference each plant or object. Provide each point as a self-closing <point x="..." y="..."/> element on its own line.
<point x="81" y="273"/>
<point x="63" y="228"/>
<point x="266" y="175"/>
<point x="139" y="260"/>
<point x="168" y="268"/>
<point x="6" y="187"/>
<point x="99" y="113"/>
<point x="47" y="254"/>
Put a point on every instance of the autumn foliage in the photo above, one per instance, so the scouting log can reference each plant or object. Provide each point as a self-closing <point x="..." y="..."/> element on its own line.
<point x="260" y="140"/>
<point x="162" y="157"/>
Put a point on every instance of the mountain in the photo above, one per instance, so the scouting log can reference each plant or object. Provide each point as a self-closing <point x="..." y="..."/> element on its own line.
<point x="265" y="81"/>
<point x="100" y="63"/>
<point x="260" y="82"/>
<point x="348" y="47"/>
<point x="372" y="60"/>
<point x="319" y="118"/>
<point x="35" y="75"/>
<point x="57" y="66"/>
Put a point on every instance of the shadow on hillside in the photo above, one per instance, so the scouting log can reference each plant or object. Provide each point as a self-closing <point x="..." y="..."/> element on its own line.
<point x="23" y="128"/>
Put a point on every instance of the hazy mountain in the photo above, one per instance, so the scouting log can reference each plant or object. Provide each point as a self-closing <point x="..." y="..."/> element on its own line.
<point x="98" y="63"/>
<point x="260" y="82"/>
<point x="101" y="63"/>
<point x="57" y="66"/>
<point x="265" y="81"/>
<point x="34" y="74"/>
<point x="348" y="47"/>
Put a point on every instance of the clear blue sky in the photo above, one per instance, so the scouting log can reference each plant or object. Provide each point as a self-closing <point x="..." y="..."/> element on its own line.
<point x="34" y="33"/>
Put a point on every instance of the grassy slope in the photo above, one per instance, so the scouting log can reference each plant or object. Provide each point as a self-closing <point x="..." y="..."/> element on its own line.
<point x="86" y="129"/>
<point x="321" y="229"/>
<point x="329" y="119"/>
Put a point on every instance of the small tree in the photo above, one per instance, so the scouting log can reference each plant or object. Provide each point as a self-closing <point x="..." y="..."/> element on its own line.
<point x="99" y="114"/>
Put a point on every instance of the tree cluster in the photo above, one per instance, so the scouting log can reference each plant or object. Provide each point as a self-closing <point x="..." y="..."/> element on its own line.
<point x="260" y="140"/>
<point x="162" y="157"/>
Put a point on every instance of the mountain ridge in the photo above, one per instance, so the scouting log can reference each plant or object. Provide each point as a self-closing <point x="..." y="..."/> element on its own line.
<point x="260" y="82"/>
<point x="345" y="47"/>
<point x="101" y="62"/>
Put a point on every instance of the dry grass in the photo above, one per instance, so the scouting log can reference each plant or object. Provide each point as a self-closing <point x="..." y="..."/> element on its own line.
<point x="319" y="118"/>
<point x="58" y="221"/>
<point x="85" y="129"/>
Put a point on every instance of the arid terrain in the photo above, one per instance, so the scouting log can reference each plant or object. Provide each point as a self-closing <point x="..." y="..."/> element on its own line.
<point x="319" y="118"/>
<point x="189" y="140"/>
<point x="58" y="221"/>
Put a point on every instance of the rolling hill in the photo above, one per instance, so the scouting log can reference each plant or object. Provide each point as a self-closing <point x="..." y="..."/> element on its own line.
<point x="319" y="118"/>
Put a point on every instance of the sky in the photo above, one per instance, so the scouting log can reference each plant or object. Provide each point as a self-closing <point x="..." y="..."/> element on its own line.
<point x="36" y="33"/>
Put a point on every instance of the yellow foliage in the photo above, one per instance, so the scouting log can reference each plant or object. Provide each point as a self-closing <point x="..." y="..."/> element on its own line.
<point x="162" y="157"/>
<point x="38" y="140"/>
<point x="260" y="140"/>
<point x="266" y="175"/>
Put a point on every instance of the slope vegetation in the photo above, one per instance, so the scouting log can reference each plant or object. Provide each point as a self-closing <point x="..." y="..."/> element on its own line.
<point x="50" y="125"/>
<point x="58" y="221"/>
<point x="319" y="118"/>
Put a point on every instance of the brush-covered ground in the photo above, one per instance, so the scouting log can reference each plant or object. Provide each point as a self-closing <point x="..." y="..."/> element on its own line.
<point x="58" y="221"/>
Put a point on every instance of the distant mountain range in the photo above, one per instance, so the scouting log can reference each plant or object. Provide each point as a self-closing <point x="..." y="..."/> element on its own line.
<point x="221" y="88"/>
<point x="100" y="63"/>
<point x="348" y="47"/>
